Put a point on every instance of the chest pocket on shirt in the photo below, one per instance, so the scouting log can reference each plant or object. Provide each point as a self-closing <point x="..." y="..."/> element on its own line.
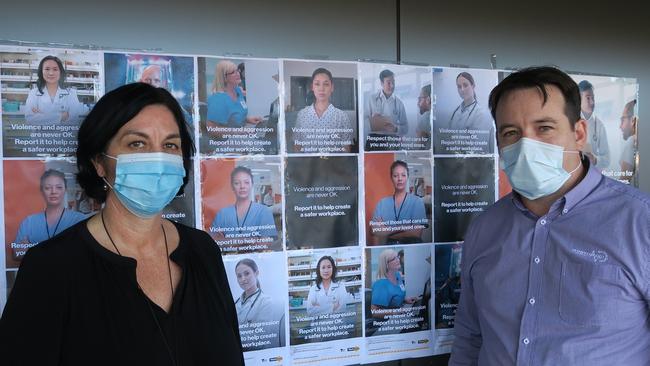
<point x="589" y="294"/>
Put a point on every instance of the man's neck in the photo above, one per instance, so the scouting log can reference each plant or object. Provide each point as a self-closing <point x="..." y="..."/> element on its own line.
<point x="386" y="95"/>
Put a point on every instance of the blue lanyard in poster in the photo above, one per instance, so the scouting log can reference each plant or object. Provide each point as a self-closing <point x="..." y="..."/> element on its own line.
<point x="239" y="227"/>
<point x="47" y="227"/>
<point x="397" y="213"/>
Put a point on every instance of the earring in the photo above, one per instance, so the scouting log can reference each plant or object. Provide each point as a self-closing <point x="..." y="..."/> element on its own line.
<point x="105" y="187"/>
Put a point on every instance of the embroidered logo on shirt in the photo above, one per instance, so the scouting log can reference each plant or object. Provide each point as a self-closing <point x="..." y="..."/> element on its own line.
<point x="596" y="255"/>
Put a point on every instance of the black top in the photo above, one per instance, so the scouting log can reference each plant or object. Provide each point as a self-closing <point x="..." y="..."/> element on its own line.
<point x="75" y="302"/>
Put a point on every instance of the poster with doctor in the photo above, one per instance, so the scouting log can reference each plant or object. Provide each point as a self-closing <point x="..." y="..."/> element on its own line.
<point x="462" y="123"/>
<point x="46" y="93"/>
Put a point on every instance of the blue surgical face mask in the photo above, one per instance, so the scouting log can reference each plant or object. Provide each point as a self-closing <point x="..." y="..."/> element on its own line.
<point x="146" y="182"/>
<point x="534" y="168"/>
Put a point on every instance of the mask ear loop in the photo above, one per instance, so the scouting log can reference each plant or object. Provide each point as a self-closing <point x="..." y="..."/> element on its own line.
<point x="579" y="161"/>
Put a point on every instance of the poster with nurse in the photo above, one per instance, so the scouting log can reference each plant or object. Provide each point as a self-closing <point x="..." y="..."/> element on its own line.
<point x="239" y="106"/>
<point x="41" y="199"/>
<point x="46" y="93"/>
<point x="242" y="203"/>
<point x="398" y="198"/>
<point x="463" y="123"/>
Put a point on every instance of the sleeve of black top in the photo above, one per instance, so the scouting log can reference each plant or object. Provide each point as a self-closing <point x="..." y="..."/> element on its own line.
<point x="31" y="327"/>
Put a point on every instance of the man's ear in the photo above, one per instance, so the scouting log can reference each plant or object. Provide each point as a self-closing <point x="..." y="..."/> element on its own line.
<point x="580" y="133"/>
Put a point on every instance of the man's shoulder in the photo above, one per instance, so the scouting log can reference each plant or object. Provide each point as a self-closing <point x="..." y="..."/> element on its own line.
<point x="624" y="193"/>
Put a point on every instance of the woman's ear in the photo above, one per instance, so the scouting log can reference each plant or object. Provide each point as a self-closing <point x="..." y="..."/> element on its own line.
<point x="99" y="167"/>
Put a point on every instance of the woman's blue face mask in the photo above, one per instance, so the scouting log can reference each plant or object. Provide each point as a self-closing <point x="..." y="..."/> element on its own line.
<point x="146" y="182"/>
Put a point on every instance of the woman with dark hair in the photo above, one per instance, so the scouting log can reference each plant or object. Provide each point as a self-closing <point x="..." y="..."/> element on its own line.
<point x="399" y="218"/>
<point x="245" y="218"/>
<point x="253" y="306"/>
<point x="469" y="114"/>
<point x="54" y="218"/>
<point x="322" y="118"/>
<point x="50" y="101"/>
<point x="327" y="295"/>
<point x="125" y="287"/>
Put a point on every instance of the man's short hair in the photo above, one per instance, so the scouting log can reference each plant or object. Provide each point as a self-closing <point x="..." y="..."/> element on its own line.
<point x="540" y="77"/>
<point x="427" y="90"/>
<point x="584" y="85"/>
<point x="385" y="74"/>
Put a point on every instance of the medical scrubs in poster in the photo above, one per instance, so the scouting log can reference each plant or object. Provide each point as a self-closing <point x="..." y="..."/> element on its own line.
<point x="393" y="116"/>
<point x="239" y="106"/>
<point x="46" y="93"/>
<point x="462" y="123"/>
<point x="609" y="105"/>
<point x="242" y="208"/>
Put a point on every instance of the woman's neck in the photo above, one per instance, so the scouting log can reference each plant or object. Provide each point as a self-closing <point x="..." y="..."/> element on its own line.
<point x="250" y="291"/>
<point x="468" y="102"/>
<point x="52" y="88"/>
<point x="400" y="194"/>
<point x="134" y="233"/>
<point x="326" y="283"/>
<point x="392" y="275"/>
<point x="242" y="202"/>
<point x="54" y="210"/>
<point x="321" y="107"/>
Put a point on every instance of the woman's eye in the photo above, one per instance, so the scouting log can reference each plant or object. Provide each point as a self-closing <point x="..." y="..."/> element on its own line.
<point x="136" y="144"/>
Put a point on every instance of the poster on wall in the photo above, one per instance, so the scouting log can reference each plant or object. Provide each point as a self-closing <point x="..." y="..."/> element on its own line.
<point x="41" y="199"/>
<point x="325" y="305"/>
<point x="320" y="107"/>
<point x="321" y="201"/>
<point x="398" y="303"/>
<point x="242" y="203"/>
<point x="258" y="290"/>
<point x="176" y="75"/>
<point x="463" y="123"/>
<point x="446" y="294"/>
<point x="239" y="106"/>
<point x="397" y="106"/>
<point x="398" y="198"/>
<point x="609" y="105"/>
<point x="463" y="188"/>
<point x="46" y="93"/>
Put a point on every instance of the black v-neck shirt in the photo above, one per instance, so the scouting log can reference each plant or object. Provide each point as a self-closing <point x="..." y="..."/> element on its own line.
<point x="76" y="303"/>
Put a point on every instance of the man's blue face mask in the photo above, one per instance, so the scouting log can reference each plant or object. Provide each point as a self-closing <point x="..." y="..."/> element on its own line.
<point x="146" y="182"/>
<point x="534" y="168"/>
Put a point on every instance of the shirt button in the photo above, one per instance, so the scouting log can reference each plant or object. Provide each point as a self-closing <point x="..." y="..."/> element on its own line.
<point x="543" y="222"/>
<point x="532" y="301"/>
<point x="537" y="260"/>
<point x="526" y="341"/>
<point x="565" y="211"/>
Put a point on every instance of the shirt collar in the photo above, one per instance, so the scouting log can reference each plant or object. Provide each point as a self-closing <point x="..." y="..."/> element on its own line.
<point x="574" y="196"/>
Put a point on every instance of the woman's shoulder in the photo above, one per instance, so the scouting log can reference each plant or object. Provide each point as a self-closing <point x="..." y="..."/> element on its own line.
<point x="197" y="240"/>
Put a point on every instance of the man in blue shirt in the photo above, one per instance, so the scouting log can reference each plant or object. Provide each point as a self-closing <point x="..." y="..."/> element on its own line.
<point x="555" y="273"/>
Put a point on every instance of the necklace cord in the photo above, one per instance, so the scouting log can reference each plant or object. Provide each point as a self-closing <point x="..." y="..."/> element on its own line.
<point x="146" y="299"/>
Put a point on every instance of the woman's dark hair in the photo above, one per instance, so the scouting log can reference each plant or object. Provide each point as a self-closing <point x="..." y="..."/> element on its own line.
<point x="250" y="263"/>
<point x="540" y="77"/>
<point x="113" y="111"/>
<point x="53" y="173"/>
<point x="397" y="163"/>
<point x="240" y="169"/>
<point x="319" y="279"/>
<point x="321" y="70"/>
<point x="40" y="82"/>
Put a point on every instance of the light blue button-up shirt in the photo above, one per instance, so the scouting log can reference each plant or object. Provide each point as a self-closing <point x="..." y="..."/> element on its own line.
<point x="568" y="288"/>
